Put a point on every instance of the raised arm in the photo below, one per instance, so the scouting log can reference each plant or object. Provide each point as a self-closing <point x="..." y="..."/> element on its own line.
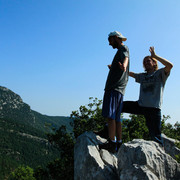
<point x="132" y="74"/>
<point x="168" y="65"/>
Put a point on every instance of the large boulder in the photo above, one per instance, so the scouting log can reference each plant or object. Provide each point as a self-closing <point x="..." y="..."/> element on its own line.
<point x="136" y="160"/>
<point x="91" y="164"/>
<point x="140" y="159"/>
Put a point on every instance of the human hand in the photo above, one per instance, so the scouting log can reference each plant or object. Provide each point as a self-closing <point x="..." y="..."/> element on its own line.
<point x="151" y="49"/>
<point x="109" y="66"/>
<point x="122" y="66"/>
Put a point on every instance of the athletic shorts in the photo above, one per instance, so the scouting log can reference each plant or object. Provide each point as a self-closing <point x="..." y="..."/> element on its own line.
<point x="112" y="105"/>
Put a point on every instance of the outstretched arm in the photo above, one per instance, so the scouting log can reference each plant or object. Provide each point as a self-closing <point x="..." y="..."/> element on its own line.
<point x="168" y="65"/>
<point x="132" y="74"/>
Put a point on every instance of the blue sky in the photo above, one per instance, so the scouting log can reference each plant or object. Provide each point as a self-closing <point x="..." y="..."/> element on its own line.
<point x="54" y="53"/>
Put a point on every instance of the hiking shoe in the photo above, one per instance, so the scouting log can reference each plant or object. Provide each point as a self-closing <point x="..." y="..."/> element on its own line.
<point x="103" y="133"/>
<point x="109" y="146"/>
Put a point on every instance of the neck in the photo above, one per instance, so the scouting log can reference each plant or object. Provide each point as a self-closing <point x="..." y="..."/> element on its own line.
<point x="150" y="71"/>
<point x="120" y="44"/>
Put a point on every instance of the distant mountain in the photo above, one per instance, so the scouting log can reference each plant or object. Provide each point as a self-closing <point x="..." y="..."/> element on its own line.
<point x="43" y="121"/>
<point x="13" y="107"/>
<point x="23" y="134"/>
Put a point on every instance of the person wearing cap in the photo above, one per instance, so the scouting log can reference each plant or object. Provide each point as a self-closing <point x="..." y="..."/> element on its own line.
<point x="114" y="90"/>
<point x="152" y="84"/>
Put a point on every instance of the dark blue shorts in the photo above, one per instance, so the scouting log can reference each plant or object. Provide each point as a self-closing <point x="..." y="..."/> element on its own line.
<point x="112" y="105"/>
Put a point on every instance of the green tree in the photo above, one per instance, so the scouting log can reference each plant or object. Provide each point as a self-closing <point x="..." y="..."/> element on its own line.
<point x="134" y="128"/>
<point x="41" y="173"/>
<point x="62" y="168"/>
<point x="172" y="131"/>
<point x="22" y="173"/>
<point x="88" y="118"/>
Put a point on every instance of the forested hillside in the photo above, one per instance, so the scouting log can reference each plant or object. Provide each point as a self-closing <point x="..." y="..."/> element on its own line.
<point x="23" y="134"/>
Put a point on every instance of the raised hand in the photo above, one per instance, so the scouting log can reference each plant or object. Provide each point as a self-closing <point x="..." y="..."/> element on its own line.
<point x="151" y="49"/>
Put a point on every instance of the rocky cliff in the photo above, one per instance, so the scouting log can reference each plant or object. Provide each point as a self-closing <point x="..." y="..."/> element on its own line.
<point x="135" y="160"/>
<point x="13" y="107"/>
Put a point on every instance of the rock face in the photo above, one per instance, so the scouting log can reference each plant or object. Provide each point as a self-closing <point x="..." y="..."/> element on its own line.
<point x="12" y="106"/>
<point x="146" y="159"/>
<point x="170" y="148"/>
<point x="89" y="163"/>
<point x="136" y="160"/>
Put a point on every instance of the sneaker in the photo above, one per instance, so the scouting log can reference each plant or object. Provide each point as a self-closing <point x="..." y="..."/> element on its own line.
<point x="109" y="146"/>
<point x="103" y="133"/>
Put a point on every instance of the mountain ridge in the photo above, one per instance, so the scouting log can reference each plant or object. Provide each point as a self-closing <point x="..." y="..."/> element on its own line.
<point x="13" y="107"/>
<point x="23" y="134"/>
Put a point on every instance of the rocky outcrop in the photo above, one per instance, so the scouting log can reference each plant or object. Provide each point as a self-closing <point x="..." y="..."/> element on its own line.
<point x="140" y="159"/>
<point x="12" y="107"/>
<point x="89" y="163"/>
<point x="136" y="160"/>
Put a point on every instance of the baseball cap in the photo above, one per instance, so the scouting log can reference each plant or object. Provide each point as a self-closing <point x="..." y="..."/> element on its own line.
<point x="118" y="34"/>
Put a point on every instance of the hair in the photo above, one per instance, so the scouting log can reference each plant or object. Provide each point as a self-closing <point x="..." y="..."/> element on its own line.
<point x="111" y="37"/>
<point x="115" y="36"/>
<point x="154" y="60"/>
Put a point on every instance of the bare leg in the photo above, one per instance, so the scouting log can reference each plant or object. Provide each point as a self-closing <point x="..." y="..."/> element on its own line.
<point x="112" y="129"/>
<point x="118" y="131"/>
<point x="110" y="145"/>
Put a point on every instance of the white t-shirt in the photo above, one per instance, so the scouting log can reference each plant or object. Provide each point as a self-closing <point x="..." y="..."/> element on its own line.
<point x="151" y="88"/>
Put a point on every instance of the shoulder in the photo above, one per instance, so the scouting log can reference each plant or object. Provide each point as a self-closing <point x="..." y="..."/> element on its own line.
<point x="163" y="72"/>
<point x="160" y="71"/>
<point x="124" y="48"/>
<point x="140" y="74"/>
<point x="139" y="77"/>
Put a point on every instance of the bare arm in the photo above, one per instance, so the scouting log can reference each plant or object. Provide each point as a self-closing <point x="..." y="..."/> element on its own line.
<point x="132" y="74"/>
<point x="168" y="65"/>
<point x="124" y="65"/>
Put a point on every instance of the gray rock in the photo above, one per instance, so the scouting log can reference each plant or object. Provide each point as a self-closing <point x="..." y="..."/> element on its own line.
<point x="89" y="163"/>
<point x="169" y="146"/>
<point x="136" y="160"/>
<point x="140" y="159"/>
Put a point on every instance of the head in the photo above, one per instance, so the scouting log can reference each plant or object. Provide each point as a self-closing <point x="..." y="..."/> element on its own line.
<point x="115" y="39"/>
<point x="150" y="64"/>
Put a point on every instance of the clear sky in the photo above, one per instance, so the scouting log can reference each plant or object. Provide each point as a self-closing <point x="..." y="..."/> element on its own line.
<point x="54" y="53"/>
